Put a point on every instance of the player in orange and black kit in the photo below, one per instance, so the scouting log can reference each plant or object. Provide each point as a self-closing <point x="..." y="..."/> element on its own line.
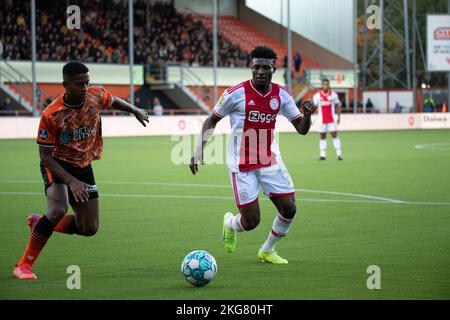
<point x="70" y="138"/>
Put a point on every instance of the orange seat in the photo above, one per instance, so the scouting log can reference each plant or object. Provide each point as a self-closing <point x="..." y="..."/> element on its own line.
<point x="246" y="36"/>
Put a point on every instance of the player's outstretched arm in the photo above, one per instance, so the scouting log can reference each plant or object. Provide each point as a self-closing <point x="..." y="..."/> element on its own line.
<point x="140" y="114"/>
<point x="77" y="187"/>
<point x="206" y="133"/>
<point x="303" y="124"/>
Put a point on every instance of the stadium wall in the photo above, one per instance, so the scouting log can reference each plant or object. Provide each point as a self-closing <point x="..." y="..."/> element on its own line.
<point x="225" y="76"/>
<point x="118" y="74"/>
<point x="122" y="126"/>
<point x="100" y="73"/>
<point x="55" y="89"/>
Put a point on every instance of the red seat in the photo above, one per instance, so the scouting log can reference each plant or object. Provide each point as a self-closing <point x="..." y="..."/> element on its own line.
<point x="246" y="36"/>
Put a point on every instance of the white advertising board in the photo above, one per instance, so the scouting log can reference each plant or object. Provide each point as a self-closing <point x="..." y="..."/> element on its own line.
<point x="123" y="126"/>
<point x="438" y="42"/>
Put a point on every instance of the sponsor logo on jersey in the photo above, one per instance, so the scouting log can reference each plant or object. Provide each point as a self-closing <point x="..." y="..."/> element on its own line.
<point x="76" y="135"/>
<point x="274" y="104"/>
<point x="251" y="103"/>
<point x="256" y="116"/>
<point x="43" y="134"/>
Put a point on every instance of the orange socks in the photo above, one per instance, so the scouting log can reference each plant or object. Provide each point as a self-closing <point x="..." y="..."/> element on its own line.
<point x="37" y="240"/>
<point x="66" y="225"/>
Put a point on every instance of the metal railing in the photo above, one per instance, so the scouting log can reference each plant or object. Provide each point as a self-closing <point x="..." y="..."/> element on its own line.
<point x="172" y="72"/>
<point x="13" y="78"/>
<point x="182" y="74"/>
<point x="11" y="75"/>
<point x="155" y="71"/>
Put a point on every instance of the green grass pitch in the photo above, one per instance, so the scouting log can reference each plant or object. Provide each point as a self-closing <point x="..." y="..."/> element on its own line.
<point x="390" y="208"/>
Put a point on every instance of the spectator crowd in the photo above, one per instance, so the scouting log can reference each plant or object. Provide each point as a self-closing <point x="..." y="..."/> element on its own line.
<point x="161" y="34"/>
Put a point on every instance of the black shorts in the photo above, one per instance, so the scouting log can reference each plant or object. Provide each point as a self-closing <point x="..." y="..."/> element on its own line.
<point x="85" y="175"/>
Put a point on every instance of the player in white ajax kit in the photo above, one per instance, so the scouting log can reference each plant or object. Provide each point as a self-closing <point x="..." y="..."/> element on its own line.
<point x="253" y="156"/>
<point x="327" y="102"/>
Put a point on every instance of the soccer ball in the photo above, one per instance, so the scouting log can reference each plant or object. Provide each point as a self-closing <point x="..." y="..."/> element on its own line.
<point x="199" y="268"/>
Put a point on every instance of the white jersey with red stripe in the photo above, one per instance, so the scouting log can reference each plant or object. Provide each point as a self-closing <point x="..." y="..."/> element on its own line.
<point x="252" y="119"/>
<point x="326" y="105"/>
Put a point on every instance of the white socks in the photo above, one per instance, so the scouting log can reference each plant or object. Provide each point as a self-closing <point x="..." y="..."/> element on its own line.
<point x="280" y="229"/>
<point x="337" y="146"/>
<point x="323" y="147"/>
<point x="234" y="223"/>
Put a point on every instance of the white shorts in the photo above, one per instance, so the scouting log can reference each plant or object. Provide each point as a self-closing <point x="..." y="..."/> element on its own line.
<point x="327" y="127"/>
<point x="275" y="181"/>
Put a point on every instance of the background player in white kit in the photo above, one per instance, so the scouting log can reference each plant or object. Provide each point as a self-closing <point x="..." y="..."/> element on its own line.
<point x="253" y="156"/>
<point x="328" y="103"/>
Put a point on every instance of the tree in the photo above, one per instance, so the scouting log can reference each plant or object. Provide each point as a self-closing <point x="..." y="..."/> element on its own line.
<point x="394" y="54"/>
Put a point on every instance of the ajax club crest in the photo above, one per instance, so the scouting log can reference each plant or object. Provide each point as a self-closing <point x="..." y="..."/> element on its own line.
<point x="274" y="104"/>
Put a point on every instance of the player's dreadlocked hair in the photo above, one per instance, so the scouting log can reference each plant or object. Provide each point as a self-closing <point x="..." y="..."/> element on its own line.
<point x="263" y="52"/>
<point x="73" y="68"/>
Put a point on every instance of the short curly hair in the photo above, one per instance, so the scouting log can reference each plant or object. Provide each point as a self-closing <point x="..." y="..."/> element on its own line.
<point x="263" y="52"/>
<point x="73" y="68"/>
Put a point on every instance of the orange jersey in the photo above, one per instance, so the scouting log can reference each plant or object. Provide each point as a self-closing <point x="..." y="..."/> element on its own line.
<point x="75" y="134"/>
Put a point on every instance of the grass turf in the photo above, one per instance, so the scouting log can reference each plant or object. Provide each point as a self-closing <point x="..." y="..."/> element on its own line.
<point x="154" y="212"/>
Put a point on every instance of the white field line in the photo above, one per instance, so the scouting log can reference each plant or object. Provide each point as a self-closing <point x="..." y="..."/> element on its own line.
<point x="172" y="196"/>
<point x="440" y="146"/>
<point x="374" y="199"/>
<point x="353" y="195"/>
<point x="222" y="186"/>
<point x="227" y="186"/>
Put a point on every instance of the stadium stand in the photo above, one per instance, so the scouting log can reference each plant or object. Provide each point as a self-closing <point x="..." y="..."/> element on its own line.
<point x="170" y="36"/>
<point x="206" y="93"/>
<point x="241" y="34"/>
<point x="164" y="36"/>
